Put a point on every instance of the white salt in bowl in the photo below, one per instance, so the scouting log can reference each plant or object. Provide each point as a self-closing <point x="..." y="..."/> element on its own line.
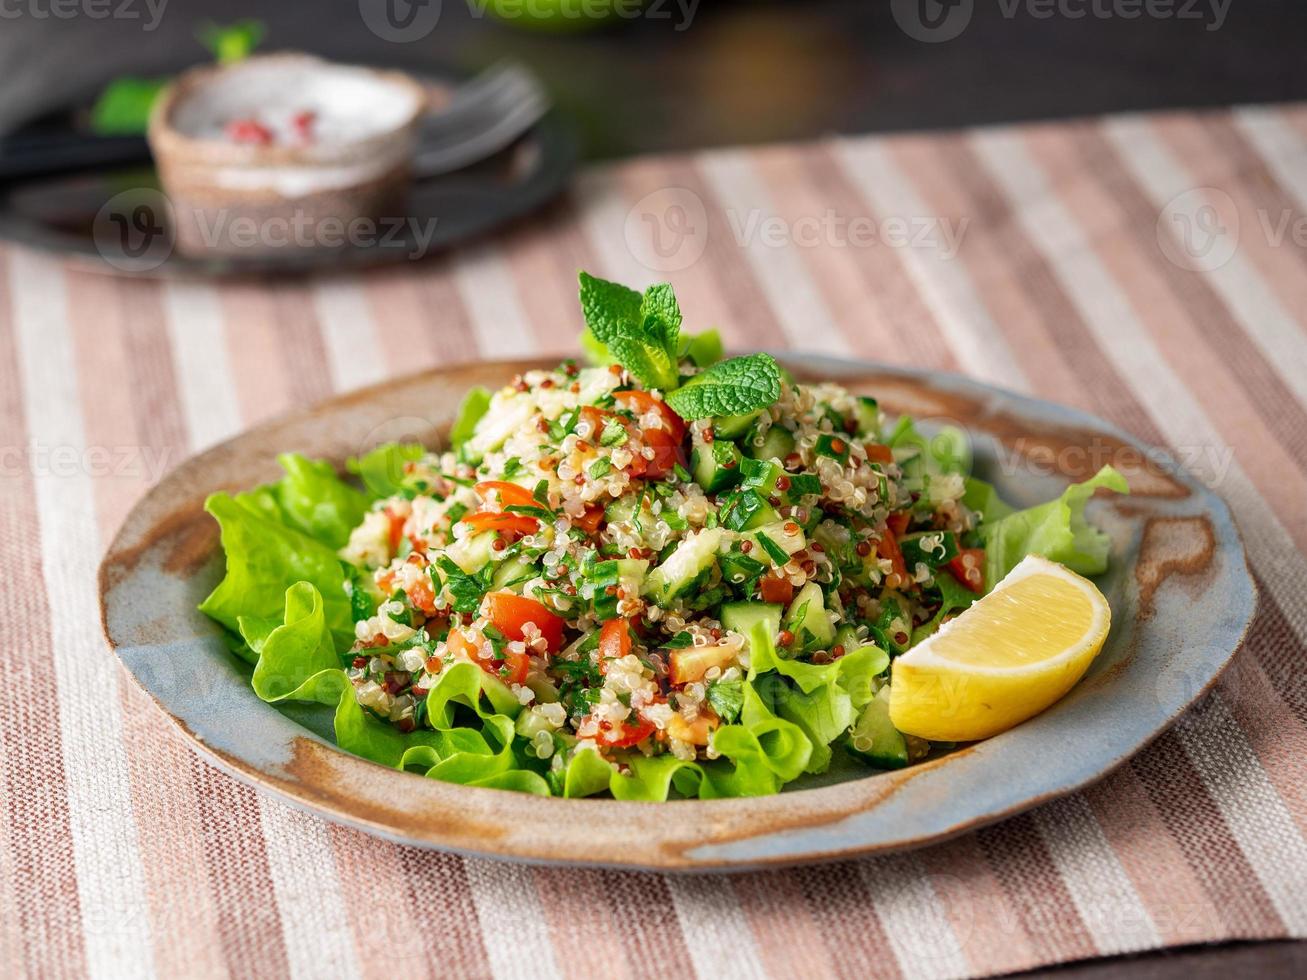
<point x="284" y="151"/>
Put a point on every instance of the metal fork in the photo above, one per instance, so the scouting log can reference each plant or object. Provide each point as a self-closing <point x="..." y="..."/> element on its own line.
<point x="485" y="116"/>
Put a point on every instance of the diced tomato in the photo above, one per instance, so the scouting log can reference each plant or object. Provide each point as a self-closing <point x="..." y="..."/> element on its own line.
<point x="898" y="522"/>
<point x="422" y="596"/>
<point x="667" y="453"/>
<point x="615" y="639"/>
<point x="776" y="588"/>
<point x="888" y="547"/>
<point x="595" y="418"/>
<point x="514" y="666"/>
<point x="878" y="453"/>
<point x="641" y="402"/>
<point x="589" y="522"/>
<point x="627" y="733"/>
<point x="510" y="494"/>
<point x="969" y="568"/>
<point x="510" y="613"/>
<point x="395" y="528"/>
<point x="513" y="525"/>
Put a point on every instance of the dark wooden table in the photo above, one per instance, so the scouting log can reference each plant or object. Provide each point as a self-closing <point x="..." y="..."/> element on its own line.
<point x="749" y="71"/>
<point x="741" y="71"/>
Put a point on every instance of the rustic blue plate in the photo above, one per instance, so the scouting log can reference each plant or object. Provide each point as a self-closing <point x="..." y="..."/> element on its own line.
<point x="1179" y="587"/>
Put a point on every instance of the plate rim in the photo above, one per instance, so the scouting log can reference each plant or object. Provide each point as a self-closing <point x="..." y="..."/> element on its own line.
<point x="718" y="857"/>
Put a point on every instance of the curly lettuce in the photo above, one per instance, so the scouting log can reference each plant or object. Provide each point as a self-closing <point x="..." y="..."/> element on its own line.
<point x="1057" y="530"/>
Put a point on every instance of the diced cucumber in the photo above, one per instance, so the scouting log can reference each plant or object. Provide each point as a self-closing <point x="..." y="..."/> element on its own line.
<point x="761" y="475"/>
<point x="692" y="557"/>
<point x="473" y="552"/>
<point x="512" y="572"/>
<point x="733" y="426"/>
<point x="776" y="444"/>
<point x="741" y="617"/>
<point x="809" y="621"/>
<point x="629" y="573"/>
<point x="932" y="548"/>
<point x="595" y="383"/>
<point x="746" y="510"/>
<point x="894" y="621"/>
<point x="621" y="509"/>
<point x="780" y="543"/>
<point x="511" y="413"/>
<point x="868" y="415"/>
<point x="847" y="637"/>
<point x="874" y="737"/>
<point x="715" y="465"/>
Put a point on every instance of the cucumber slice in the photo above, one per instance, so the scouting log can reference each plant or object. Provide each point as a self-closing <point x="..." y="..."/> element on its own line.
<point x="809" y="621"/>
<point x="715" y="465"/>
<point x="776" y="444"/>
<point x="621" y="509"/>
<point x="747" y="510"/>
<point x="473" y="553"/>
<point x="874" y="737"/>
<point x="779" y="543"/>
<point x="513" y="572"/>
<point x="511" y="413"/>
<point x="692" y="557"/>
<point x="868" y="415"/>
<point x="741" y="617"/>
<point x="733" y="426"/>
<point x="761" y="475"/>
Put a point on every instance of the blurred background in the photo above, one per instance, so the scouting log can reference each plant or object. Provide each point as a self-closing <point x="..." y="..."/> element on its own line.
<point x="695" y="73"/>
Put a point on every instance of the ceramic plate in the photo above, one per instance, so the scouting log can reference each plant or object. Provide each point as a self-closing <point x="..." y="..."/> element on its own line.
<point x="1179" y="587"/>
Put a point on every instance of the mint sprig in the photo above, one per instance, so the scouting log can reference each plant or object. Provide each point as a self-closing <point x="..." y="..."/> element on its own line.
<point x="642" y="332"/>
<point x="735" y="387"/>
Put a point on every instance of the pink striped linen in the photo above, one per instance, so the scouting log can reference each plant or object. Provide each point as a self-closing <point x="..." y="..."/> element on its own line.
<point x="1078" y="272"/>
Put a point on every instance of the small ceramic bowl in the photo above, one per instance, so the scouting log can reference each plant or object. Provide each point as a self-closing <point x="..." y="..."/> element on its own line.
<point x="284" y="151"/>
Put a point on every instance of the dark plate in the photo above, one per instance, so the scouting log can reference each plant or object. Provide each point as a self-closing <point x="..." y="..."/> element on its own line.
<point x="117" y="220"/>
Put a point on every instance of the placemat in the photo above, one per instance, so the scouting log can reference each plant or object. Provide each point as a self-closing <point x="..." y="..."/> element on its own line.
<point x="1148" y="269"/>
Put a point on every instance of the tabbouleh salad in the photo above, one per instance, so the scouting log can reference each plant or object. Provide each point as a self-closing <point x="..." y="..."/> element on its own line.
<point x="661" y="574"/>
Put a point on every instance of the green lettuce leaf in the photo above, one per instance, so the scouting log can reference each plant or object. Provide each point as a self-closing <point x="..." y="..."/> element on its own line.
<point x="265" y="557"/>
<point x="823" y="700"/>
<point x="475" y="404"/>
<point x="382" y="470"/>
<point x="983" y="498"/>
<point x="1057" y="530"/>
<point x="311" y="498"/>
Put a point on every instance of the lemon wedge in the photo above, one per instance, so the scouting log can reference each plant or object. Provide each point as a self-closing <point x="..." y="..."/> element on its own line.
<point x="1005" y="659"/>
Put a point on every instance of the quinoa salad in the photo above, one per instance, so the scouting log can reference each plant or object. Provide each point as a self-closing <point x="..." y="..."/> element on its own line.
<point x="656" y="573"/>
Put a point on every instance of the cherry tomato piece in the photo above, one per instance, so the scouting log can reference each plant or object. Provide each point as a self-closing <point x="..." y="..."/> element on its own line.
<point x="969" y="569"/>
<point x="510" y="613"/>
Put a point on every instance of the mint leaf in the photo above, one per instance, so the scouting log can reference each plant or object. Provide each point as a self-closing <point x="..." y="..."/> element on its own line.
<point x="649" y="364"/>
<point x="661" y="317"/>
<point x="610" y="310"/>
<point x="642" y="333"/>
<point x="734" y="387"/>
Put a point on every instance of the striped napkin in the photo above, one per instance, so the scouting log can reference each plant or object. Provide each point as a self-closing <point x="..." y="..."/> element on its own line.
<point x="1150" y="270"/>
